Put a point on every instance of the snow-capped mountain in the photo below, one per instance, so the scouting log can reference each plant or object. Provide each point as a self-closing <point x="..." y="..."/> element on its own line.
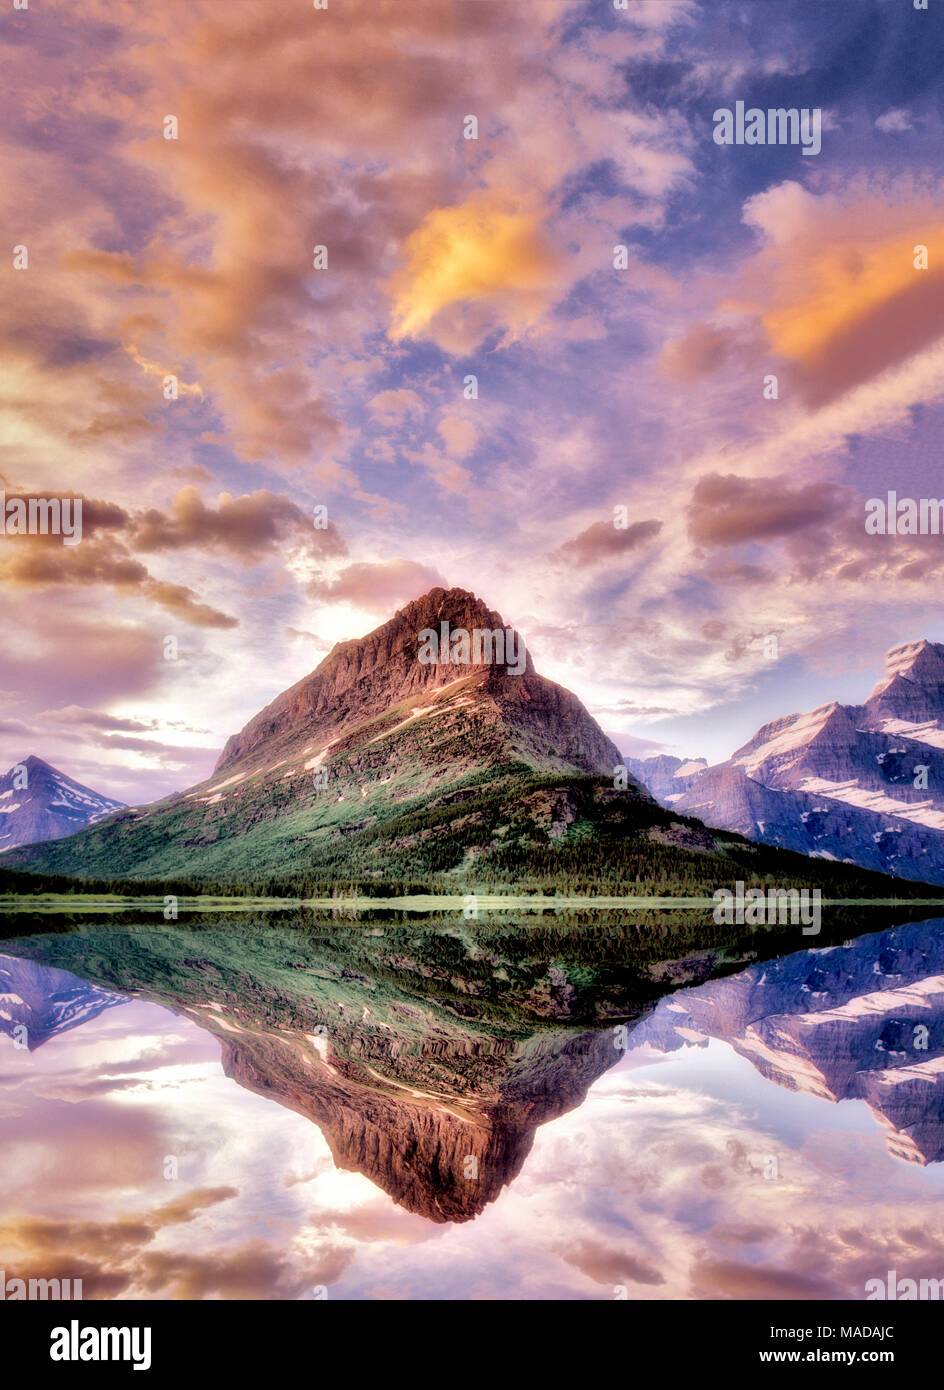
<point x="39" y="803"/>
<point x="862" y="783"/>
<point x="46" y="1001"/>
<point x="666" y="777"/>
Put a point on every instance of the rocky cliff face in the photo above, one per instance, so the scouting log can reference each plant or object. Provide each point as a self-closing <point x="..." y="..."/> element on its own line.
<point x="361" y="681"/>
<point x="857" y="783"/>
<point x="38" y="803"/>
<point x="666" y="777"/>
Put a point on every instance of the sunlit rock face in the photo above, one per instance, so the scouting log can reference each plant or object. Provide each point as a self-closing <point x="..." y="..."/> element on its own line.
<point x="360" y="681"/>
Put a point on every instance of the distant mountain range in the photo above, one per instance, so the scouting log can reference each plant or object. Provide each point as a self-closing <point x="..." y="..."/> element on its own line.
<point x="38" y="803"/>
<point x="380" y="768"/>
<point x="863" y="784"/>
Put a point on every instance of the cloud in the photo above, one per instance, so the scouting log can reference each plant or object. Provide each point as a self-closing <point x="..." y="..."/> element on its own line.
<point x="250" y="527"/>
<point x="491" y="252"/>
<point x="191" y="1204"/>
<point x="895" y="121"/>
<point x="728" y="510"/>
<point x="93" y="1239"/>
<point x="729" y="1279"/>
<point x="735" y="575"/>
<point x="247" y="526"/>
<point x="606" y="1264"/>
<point x="832" y="299"/>
<point x="459" y="435"/>
<point x="181" y="601"/>
<point x="396" y="405"/>
<point x="604" y="541"/>
<point x="70" y="651"/>
<point x="378" y="587"/>
<point x="846" y="301"/>
<point x="256" y="1270"/>
<point x="37" y="562"/>
<point x="702" y="349"/>
<point x="94" y="719"/>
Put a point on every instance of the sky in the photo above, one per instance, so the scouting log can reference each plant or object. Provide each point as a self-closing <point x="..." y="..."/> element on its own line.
<point x="171" y="166"/>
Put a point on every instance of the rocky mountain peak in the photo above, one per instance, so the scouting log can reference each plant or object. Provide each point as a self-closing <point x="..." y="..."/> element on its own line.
<point x="914" y="676"/>
<point x="856" y="783"/>
<point x="33" y="764"/>
<point x="408" y="656"/>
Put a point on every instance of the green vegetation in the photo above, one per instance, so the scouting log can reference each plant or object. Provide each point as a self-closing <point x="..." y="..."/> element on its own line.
<point x="504" y="971"/>
<point x="506" y="831"/>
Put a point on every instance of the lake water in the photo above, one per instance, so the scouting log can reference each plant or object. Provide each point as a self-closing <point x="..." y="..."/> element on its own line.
<point x="233" y="1122"/>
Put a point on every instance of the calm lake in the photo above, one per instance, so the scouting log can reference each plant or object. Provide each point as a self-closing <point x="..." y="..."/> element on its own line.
<point x="384" y="1111"/>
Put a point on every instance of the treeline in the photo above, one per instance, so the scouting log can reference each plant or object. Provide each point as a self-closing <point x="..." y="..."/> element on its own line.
<point x="17" y="883"/>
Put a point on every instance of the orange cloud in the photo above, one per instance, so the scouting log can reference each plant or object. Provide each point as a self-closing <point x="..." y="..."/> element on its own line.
<point x="835" y="293"/>
<point x="846" y="299"/>
<point x="459" y="435"/>
<point x="486" y="250"/>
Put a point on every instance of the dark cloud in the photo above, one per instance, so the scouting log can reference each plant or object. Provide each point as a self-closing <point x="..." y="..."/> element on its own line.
<point x="728" y="1279"/>
<point x="94" y="719"/>
<point x="248" y="526"/>
<point x="603" y="541"/>
<point x="730" y="510"/>
<point x="701" y="350"/>
<point x="735" y="575"/>
<point x="191" y="1204"/>
<point x="256" y="1271"/>
<point x="609" y="1265"/>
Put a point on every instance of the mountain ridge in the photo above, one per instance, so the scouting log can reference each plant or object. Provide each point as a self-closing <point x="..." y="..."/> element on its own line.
<point x="380" y="768"/>
<point x="863" y="783"/>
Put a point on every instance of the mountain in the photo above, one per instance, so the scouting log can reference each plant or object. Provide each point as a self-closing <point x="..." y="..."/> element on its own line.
<point x="366" y="691"/>
<point x="382" y="768"/>
<point x="45" y="1001"/>
<point x="39" y="803"/>
<point x="666" y="777"/>
<point x="859" y="1022"/>
<point x="839" y="782"/>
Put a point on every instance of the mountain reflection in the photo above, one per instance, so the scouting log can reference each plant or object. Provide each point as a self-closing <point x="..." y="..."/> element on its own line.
<point x="864" y="1021"/>
<point x="429" y="1063"/>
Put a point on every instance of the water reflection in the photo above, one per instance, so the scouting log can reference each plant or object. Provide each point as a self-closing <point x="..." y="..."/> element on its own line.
<point x="456" y="1078"/>
<point x="864" y="1021"/>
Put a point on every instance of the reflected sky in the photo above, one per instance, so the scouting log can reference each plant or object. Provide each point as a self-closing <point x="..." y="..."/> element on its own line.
<point x="682" y="1175"/>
